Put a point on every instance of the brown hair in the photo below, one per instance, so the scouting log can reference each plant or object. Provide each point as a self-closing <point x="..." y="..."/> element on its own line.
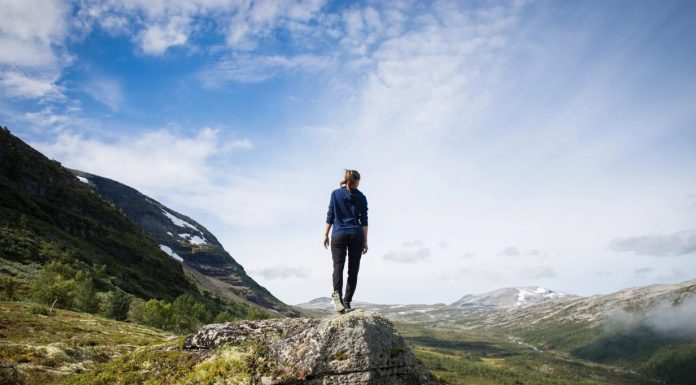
<point x="350" y="179"/>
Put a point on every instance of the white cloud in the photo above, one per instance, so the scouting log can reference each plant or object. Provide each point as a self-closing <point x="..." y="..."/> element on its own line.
<point x="156" y="160"/>
<point x="105" y="90"/>
<point x="409" y="252"/>
<point x="32" y="36"/>
<point x="30" y="30"/>
<point x="511" y="252"/>
<point x="281" y="272"/>
<point x="679" y="243"/>
<point x="156" y="39"/>
<point x="30" y="84"/>
<point x="255" y="69"/>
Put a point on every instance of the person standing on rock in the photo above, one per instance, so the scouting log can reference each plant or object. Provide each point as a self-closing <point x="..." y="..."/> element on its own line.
<point x="348" y="216"/>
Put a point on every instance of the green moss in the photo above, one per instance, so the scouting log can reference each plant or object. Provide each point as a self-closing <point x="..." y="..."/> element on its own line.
<point x="396" y="351"/>
<point x="340" y="356"/>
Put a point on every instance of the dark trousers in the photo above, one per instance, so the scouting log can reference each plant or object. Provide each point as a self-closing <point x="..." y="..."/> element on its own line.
<point x="353" y="245"/>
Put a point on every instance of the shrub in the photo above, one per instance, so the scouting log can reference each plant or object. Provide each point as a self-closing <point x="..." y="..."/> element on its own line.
<point x="38" y="309"/>
<point x="85" y="294"/>
<point x="55" y="283"/>
<point x="9" y="285"/>
<point x="117" y="305"/>
<point x="158" y="314"/>
<point x="135" y="312"/>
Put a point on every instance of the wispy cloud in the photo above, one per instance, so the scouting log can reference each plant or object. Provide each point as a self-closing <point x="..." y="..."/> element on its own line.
<point x="32" y="37"/>
<point x="511" y="252"/>
<point x="256" y="69"/>
<point x="106" y="90"/>
<point x="409" y="252"/>
<point x="670" y="245"/>
<point x="281" y="272"/>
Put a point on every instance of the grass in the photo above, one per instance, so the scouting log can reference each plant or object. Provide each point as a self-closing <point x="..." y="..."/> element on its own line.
<point x="46" y="348"/>
<point x="461" y="358"/>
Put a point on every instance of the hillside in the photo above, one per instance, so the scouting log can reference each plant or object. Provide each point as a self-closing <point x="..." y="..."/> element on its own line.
<point x="187" y="241"/>
<point x="648" y="329"/>
<point x="46" y="213"/>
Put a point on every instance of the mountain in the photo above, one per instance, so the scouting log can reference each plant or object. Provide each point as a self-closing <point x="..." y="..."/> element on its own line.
<point x="187" y="241"/>
<point x="47" y="214"/>
<point x="510" y="297"/>
<point x="648" y="329"/>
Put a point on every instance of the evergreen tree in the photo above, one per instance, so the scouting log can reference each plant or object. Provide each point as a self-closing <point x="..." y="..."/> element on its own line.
<point x="85" y="294"/>
<point x="117" y="305"/>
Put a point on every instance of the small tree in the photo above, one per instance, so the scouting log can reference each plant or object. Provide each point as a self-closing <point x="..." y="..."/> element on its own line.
<point x="55" y="284"/>
<point x="117" y="305"/>
<point x="189" y="314"/>
<point x="225" y="316"/>
<point x="9" y="285"/>
<point x="85" y="294"/>
<point x="158" y="314"/>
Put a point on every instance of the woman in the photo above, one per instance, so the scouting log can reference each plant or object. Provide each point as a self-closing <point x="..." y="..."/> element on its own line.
<point x="348" y="216"/>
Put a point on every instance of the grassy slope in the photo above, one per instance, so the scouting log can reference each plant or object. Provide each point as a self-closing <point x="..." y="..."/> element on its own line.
<point x="461" y="358"/>
<point x="47" y="348"/>
<point x="40" y="201"/>
<point x="77" y="348"/>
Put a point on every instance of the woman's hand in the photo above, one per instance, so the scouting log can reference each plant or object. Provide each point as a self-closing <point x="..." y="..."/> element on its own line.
<point x="365" y="247"/>
<point x="326" y="241"/>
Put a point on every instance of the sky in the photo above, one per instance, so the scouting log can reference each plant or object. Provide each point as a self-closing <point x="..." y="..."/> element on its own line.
<point x="500" y="143"/>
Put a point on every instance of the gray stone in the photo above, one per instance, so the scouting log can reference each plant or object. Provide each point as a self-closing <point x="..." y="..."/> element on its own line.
<point x="359" y="348"/>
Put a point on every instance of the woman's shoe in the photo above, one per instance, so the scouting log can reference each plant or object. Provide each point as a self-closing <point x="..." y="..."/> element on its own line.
<point x="338" y="305"/>
<point x="346" y="305"/>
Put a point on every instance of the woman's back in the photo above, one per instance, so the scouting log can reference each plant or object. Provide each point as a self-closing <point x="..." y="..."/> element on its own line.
<point x="347" y="211"/>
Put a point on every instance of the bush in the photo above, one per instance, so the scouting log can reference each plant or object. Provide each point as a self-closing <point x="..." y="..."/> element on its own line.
<point x="55" y="283"/>
<point x="9" y="285"/>
<point x="38" y="309"/>
<point x="135" y="312"/>
<point x="189" y="314"/>
<point x="17" y="245"/>
<point x="225" y="316"/>
<point x="158" y="314"/>
<point x="117" y="305"/>
<point x="85" y="294"/>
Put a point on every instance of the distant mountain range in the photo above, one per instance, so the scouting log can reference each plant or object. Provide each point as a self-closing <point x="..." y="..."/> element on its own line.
<point x="500" y="299"/>
<point x="187" y="241"/>
<point x="524" y="307"/>
<point x="650" y="329"/>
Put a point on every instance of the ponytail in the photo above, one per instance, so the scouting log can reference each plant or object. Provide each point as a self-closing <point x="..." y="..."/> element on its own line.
<point x="350" y="179"/>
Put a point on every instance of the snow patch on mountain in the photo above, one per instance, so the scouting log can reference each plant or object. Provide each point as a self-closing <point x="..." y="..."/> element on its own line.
<point x="171" y="253"/>
<point x="177" y="221"/>
<point x="82" y="179"/>
<point x="193" y="239"/>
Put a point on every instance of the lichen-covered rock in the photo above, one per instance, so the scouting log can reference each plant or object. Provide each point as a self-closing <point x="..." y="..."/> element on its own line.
<point x="358" y="348"/>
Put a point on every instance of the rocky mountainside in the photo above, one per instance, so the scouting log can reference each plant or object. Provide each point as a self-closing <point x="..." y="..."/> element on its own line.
<point x="186" y="241"/>
<point x="46" y="212"/>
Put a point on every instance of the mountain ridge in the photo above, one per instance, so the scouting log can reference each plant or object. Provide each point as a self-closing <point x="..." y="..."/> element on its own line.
<point x="187" y="241"/>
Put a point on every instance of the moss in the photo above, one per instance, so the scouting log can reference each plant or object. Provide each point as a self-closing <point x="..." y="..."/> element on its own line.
<point x="396" y="351"/>
<point x="340" y="356"/>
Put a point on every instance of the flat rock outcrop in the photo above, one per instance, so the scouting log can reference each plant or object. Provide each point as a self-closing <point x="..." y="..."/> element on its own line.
<point x="360" y="348"/>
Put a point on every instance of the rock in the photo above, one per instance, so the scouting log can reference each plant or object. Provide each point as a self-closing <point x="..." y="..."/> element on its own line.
<point x="360" y="348"/>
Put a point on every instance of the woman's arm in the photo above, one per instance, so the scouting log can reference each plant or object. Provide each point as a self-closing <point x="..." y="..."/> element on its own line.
<point x="326" y="235"/>
<point x="364" y="239"/>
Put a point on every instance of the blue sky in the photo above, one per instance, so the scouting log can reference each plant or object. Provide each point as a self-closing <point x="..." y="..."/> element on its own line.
<point x="501" y="143"/>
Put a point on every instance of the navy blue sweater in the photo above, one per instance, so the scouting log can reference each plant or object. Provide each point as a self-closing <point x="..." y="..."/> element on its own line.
<point x="347" y="211"/>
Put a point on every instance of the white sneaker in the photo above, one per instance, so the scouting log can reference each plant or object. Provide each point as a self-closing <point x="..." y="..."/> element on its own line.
<point x="338" y="305"/>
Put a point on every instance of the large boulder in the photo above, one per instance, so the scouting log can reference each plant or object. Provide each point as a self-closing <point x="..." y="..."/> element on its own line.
<point x="359" y="348"/>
